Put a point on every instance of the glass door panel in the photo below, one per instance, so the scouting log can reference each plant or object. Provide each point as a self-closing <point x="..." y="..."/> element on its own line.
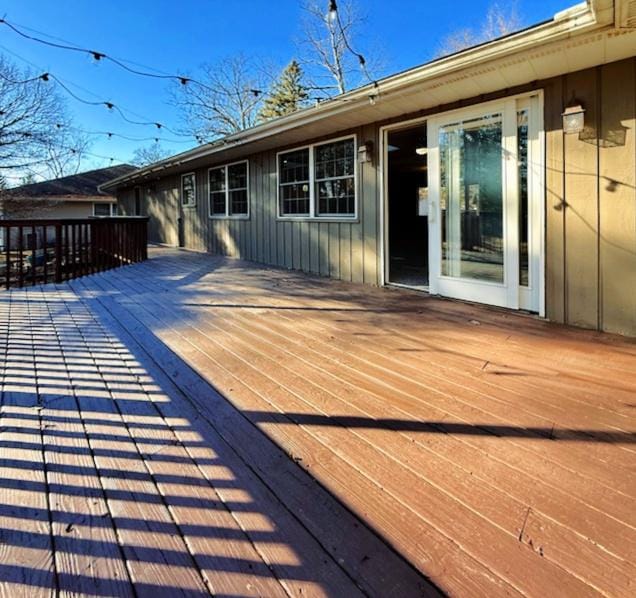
<point x="522" y="165"/>
<point x="471" y="199"/>
<point x="485" y="191"/>
<point x="485" y="188"/>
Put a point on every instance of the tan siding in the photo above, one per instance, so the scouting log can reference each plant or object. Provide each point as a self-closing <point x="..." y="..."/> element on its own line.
<point x="618" y="198"/>
<point x="555" y="212"/>
<point x="581" y="196"/>
<point x="161" y="207"/>
<point x="591" y="242"/>
<point x="370" y="211"/>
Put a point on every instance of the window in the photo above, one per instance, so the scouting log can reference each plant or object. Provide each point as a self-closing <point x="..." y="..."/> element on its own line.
<point x="293" y="176"/>
<point x="217" y="191"/>
<point x="102" y="209"/>
<point x="229" y="191"/>
<point x="318" y="181"/>
<point x="335" y="181"/>
<point x="188" y="190"/>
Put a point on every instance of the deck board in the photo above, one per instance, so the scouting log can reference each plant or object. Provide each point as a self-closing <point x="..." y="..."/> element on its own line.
<point x="227" y="428"/>
<point x="251" y="360"/>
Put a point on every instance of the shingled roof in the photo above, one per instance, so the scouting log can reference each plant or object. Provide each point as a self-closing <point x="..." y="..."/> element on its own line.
<point x="82" y="185"/>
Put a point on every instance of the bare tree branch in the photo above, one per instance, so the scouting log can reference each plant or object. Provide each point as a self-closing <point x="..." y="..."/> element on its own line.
<point x="143" y="156"/>
<point x="35" y="132"/>
<point x="500" y="19"/>
<point x="229" y="103"/>
<point x="327" y="46"/>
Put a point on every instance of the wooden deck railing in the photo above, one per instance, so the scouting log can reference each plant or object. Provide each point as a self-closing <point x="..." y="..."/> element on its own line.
<point x="41" y="251"/>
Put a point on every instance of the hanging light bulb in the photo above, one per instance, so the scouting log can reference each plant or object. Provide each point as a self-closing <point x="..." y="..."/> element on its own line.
<point x="332" y="14"/>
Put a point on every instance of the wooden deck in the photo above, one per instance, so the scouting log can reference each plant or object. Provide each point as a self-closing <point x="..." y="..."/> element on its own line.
<point x="195" y="425"/>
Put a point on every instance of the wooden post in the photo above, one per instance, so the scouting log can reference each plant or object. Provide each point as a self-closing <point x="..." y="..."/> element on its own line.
<point x="34" y="244"/>
<point x="8" y="256"/>
<point x="58" y="253"/>
<point x="45" y="251"/>
<point x="20" y="258"/>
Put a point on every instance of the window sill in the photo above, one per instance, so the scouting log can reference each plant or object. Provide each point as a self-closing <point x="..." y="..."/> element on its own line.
<point x="342" y="219"/>
<point x="224" y="217"/>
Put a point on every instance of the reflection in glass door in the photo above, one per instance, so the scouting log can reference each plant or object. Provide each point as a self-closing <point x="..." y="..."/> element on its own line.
<point x="471" y="199"/>
<point x="484" y="230"/>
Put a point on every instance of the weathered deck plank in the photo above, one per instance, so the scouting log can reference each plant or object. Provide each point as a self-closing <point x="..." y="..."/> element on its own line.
<point x="26" y="550"/>
<point x="79" y="510"/>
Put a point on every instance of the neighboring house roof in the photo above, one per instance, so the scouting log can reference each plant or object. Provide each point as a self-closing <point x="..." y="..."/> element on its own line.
<point x="586" y="35"/>
<point x="83" y="186"/>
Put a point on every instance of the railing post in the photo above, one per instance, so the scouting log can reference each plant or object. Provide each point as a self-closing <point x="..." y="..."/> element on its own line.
<point x="58" y="253"/>
<point x="34" y="257"/>
<point x="20" y="257"/>
<point x="45" y="252"/>
<point x="7" y="232"/>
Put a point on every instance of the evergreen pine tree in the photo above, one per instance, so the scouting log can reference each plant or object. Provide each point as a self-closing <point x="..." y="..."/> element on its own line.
<point x="287" y="95"/>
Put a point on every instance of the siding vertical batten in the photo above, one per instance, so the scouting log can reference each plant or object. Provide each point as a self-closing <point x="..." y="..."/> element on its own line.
<point x="617" y="209"/>
<point x="582" y="206"/>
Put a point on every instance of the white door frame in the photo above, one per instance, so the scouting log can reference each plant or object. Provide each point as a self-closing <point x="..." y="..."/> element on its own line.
<point x="535" y="301"/>
<point x="384" y="192"/>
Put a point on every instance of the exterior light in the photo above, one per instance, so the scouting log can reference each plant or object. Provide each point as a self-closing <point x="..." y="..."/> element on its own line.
<point x="365" y="152"/>
<point x="573" y="119"/>
<point x="332" y="14"/>
<point x="421" y="151"/>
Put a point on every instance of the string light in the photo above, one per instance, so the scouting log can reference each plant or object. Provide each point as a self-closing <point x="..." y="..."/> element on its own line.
<point x="111" y="134"/>
<point x="46" y="77"/>
<point x="102" y="56"/>
<point x="334" y="17"/>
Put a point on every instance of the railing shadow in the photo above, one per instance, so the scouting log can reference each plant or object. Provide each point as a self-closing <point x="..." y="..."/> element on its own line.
<point x="88" y="418"/>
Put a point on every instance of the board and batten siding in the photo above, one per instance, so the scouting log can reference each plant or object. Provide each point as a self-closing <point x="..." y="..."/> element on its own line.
<point x="591" y="200"/>
<point x="346" y="250"/>
<point x="590" y="207"/>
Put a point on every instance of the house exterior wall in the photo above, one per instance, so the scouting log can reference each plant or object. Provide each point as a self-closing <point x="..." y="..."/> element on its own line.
<point x="160" y="202"/>
<point x="590" y="207"/>
<point x="74" y="209"/>
<point x="591" y="201"/>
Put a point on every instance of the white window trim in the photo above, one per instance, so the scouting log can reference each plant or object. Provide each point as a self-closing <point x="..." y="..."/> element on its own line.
<point x="313" y="216"/>
<point x="227" y="215"/>
<point x="113" y="208"/>
<point x="194" y="204"/>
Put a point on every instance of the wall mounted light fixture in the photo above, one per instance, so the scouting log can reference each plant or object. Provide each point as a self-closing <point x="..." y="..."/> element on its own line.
<point x="573" y="119"/>
<point x="365" y="152"/>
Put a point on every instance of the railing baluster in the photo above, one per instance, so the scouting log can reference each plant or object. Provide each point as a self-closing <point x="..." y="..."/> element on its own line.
<point x="91" y="244"/>
<point x="20" y="257"/>
<point x="82" y="263"/>
<point x="67" y="250"/>
<point x="34" y="261"/>
<point x="7" y="240"/>
<point x="45" y="253"/>
<point x="58" y="253"/>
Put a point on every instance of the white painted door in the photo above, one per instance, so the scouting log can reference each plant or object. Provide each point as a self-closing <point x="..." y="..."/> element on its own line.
<point x="484" y="186"/>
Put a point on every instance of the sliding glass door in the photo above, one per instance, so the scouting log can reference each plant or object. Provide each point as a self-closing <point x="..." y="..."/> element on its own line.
<point x="484" y="234"/>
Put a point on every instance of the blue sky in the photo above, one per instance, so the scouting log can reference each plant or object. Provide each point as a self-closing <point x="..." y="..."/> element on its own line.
<point x="178" y="35"/>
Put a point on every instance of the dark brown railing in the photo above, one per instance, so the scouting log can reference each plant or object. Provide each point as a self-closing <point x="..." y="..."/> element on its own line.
<point x="41" y="251"/>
